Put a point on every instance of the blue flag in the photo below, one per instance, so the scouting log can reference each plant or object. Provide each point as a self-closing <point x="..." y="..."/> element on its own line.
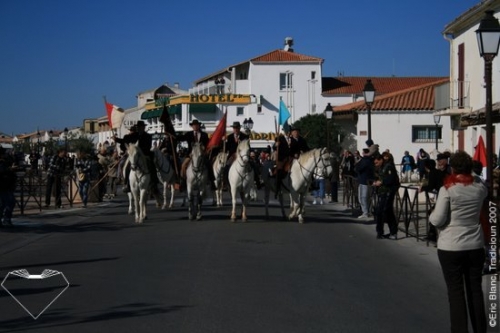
<point x="284" y="114"/>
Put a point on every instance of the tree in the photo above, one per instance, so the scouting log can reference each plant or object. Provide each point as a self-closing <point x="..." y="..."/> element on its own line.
<point x="314" y="128"/>
<point x="81" y="143"/>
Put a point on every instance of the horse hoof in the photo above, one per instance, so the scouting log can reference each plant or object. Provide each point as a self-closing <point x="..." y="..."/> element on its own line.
<point x="244" y="220"/>
<point x="130" y="212"/>
<point x="191" y="217"/>
<point x="198" y="218"/>
<point x="233" y="219"/>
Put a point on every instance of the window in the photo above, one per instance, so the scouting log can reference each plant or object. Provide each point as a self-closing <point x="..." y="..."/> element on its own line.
<point x="240" y="111"/>
<point x="425" y="133"/>
<point x="285" y="81"/>
<point x="259" y="108"/>
<point x="313" y="75"/>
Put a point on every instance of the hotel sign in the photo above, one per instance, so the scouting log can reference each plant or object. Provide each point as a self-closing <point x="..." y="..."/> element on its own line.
<point x="201" y="99"/>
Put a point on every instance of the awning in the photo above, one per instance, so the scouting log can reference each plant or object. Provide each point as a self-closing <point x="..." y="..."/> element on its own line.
<point x="176" y="109"/>
<point x="202" y="108"/>
<point x="478" y="117"/>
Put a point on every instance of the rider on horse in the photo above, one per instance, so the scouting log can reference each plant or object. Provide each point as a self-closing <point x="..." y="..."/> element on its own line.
<point x="192" y="137"/>
<point x="145" y="141"/>
<point x="232" y="142"/>
<point x="287" y="151"/>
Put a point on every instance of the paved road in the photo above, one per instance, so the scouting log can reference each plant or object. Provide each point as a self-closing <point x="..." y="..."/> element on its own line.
<point x="174" y="275"/>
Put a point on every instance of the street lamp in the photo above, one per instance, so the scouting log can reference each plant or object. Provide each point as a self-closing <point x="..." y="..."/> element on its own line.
<point x="488" y="40"/>
<point x="437" y="119"/>
<point x="248" y="125"/>
<point x="369" y="96"/>
<point x="328" y="115"/>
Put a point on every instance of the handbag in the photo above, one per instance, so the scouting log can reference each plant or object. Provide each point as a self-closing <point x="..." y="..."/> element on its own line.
<point x="82" y="176"/>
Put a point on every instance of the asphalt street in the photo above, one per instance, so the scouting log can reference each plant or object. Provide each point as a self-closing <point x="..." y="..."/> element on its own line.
<point x="175" y="275"/>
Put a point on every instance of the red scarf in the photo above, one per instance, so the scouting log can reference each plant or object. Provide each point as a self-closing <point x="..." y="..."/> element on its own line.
<point x="454" y="179"/>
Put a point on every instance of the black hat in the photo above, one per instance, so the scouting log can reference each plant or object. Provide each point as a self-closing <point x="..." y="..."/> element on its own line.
<point x="141" y="123"/>
<point x="236" y="124"/>
<point x="194" y="122"/>
<point x="442" y="157"/>
<point x="293" y="128"/>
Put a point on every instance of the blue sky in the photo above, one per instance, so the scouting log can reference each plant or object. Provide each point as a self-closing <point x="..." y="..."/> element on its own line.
<point x="59" y="58"/>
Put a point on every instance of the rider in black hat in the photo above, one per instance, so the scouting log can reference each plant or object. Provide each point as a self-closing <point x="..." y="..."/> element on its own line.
<point x="232" y="142"/>
<point x="192" y="137"/>
<point x="298" y="144"/>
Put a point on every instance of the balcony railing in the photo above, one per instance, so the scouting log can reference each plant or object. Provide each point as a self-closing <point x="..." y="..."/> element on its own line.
<point x="452" y="95"/>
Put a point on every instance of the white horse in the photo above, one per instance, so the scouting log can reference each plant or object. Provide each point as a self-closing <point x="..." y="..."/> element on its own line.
<point x="218" y="167"/>
<point x="166" y="175"/>
<point x="241" y="178"/>
<point x="298" y="180"/>
<point x="139" y="180"/>
<point x="196" y="179"/>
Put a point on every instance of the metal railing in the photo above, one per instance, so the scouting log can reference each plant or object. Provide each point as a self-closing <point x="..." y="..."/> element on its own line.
<point x="411" y="207"/>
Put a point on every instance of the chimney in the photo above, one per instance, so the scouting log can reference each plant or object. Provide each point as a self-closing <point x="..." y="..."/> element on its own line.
<point x="176" y="85"/>
<point x="288" y="44"/>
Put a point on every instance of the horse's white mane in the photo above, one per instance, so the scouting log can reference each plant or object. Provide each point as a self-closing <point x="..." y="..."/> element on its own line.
<point x="304" y="157"/>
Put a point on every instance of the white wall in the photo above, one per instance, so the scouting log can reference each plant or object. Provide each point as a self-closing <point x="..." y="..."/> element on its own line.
<point x="393" y="131"/>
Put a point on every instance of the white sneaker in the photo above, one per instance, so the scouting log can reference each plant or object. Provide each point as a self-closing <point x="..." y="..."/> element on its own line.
<point x="321" y="202"/>
<point x="314" y="202"/>
<point x="362" y="216"/>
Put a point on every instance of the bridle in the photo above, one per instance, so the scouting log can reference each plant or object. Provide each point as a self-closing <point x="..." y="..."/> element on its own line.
<point x="317" y="160"/>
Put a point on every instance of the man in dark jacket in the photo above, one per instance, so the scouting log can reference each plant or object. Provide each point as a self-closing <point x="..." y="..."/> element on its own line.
<point x="297" y="144"/>
<point x="387" y="185"/>
<point x="55" y="172"/>
<point x="365" y="171"/>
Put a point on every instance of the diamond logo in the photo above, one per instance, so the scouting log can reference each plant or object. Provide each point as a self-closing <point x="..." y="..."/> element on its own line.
<point x="35" y="293"/>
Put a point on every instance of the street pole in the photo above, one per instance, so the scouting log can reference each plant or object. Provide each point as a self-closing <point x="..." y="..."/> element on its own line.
<point x="489" y="126"/>
<point x="369" y="109"/>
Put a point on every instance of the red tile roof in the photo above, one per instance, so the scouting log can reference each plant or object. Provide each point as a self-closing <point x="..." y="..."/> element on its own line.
<point x="383" y="85"/>
<point x="285" y="56"/>
<point x="415" y="98"/>
<point x="270" y="57"/>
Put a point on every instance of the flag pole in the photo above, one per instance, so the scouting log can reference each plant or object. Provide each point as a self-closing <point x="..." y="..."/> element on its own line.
<point x="170" y="136"/>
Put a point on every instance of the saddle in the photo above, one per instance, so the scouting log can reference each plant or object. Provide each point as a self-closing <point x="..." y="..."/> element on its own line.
<point x="281" y="165"/>
<point x="184" y="166"/>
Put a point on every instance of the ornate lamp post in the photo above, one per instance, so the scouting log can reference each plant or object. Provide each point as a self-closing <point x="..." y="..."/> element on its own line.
<point x="437" y="119"/>
<point x="328" y="115"/>
<point x="248" y="125"/>
<point x="369" y="96"/>
<point x="488" y="40"/>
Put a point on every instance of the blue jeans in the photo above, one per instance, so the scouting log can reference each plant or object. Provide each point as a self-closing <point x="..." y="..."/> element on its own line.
<point x="83" y="189"/>
<point x="7" y="203"/>
<point x="364" y="198"/>
<point x="320" y="185"/>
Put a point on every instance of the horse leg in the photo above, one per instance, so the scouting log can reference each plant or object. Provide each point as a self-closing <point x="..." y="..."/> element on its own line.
<point x="164" y="185"/>
<point x="244" y="199"/>
<point x="143" y="200"/>
<point x="130" y="203"/>
<point x="137" y="204"/>
<point x="172" y="193"/>
<point x="190" y="198"/>
<point x="199" y="202"/>
<point x="300" y="212"/>
<point x="233" y="211"/>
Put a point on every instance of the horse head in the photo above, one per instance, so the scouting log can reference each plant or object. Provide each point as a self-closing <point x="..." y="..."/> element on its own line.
<point x="325" y="161"/>
<point x="197" y="156"/>
<point x="134" y="155"/>
<point x="243" y="151"/>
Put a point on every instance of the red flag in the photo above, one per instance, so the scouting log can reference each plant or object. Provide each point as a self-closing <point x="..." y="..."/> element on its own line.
<point x="218" y="134"/>
<point x="115" y="115"/>
<point x="480" y="153"/>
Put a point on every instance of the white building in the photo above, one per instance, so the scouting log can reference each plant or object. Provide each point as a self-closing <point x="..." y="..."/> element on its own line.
<point x="464" y="98"/>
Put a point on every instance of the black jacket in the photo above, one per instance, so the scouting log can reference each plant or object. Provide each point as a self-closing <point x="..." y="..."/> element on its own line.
<point x="232" y="143"/>
<point x="190" y="139"/>
<point x="298" y="146"/>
